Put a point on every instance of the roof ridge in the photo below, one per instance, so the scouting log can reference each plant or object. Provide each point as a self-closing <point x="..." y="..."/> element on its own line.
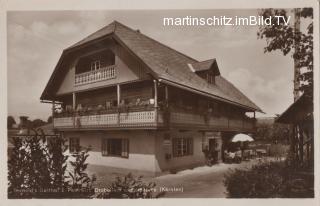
<point x="131" y="29"/>
<point x="78" y="42"/>
<point x="213" y="59"/>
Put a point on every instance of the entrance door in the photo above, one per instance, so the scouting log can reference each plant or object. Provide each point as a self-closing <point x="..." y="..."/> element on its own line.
<point x="213" y="149"/>
<point x="212" y="145"/>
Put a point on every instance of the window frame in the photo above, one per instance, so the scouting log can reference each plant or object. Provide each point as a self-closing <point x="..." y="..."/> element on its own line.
<point x="182" y="146"/>
<point x="74" y="148"/>
<point x="95" y="65"/>
<point x="106" y="147"/>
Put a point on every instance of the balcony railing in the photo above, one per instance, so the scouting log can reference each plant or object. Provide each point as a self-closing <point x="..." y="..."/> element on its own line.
<point x="133" y="118"/>
<point x="102" y="74"/>
<point x="222" y="122"/>
<point x="149" y="117"/>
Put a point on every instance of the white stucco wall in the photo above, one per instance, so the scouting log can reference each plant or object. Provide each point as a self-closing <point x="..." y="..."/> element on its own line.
<point x="141" y="149"/>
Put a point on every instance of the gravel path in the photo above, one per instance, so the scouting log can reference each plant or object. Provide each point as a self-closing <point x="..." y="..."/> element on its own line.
<point x="200" y="182"/>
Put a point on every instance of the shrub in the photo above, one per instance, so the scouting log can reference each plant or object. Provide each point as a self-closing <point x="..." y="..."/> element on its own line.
<point x="37" y="169"/>
<point x="80" y="185"/>
<point x="130" y="187"/>
<point x="268" y="180"/>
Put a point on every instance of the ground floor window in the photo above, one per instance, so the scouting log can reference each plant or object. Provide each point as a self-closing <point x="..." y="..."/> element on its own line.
<point x="74" y="144"/>
<point x="51" y="141"/>
<point x="182" y="147"/>
<point x="115" y="147"/>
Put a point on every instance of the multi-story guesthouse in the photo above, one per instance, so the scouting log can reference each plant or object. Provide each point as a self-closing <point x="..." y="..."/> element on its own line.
<point x="142" y="105"/>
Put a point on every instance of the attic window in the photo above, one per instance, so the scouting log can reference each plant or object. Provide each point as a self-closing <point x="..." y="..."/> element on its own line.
<point x="95" y="65"/>
<point x="95" y="61"/>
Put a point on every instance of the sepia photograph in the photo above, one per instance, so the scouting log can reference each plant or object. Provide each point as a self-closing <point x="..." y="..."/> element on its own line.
<point x="161" y="103"/>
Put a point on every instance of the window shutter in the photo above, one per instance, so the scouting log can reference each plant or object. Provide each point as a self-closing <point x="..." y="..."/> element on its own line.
<point x="125" y="148"/>
<point x="78" y="144"/>
<point x="174" y="147"/>
<point x="191" y="146"/>
<point x="104" y="148"/>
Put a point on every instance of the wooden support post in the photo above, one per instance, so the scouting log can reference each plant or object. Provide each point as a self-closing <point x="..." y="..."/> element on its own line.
<point x="53" y="107"/>
<point x="155" y="93"/>
<point x="118" y="101"/>
<point x="301" y="143"/>
<point x="53" y="110"/>
<point x="156" y="100"/>
<point x="118" y="94"/>
<point x="308" y="152"/>
<point x="74" y="101"/>
<point x="296" y="143"/>
<point x="293" y="140"/>
<point x="74" y="108"/>
<point x="166" y="93"/>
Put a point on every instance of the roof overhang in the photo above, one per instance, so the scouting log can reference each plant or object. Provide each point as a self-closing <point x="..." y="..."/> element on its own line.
<point x="184" y="87"/>
<point x="47" y="95"/>
<point x="300" y="110"/>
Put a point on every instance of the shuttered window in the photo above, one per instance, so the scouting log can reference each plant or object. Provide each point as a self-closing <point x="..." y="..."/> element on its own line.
<point x="182" y="147"/>
<point x="115" y="147"/>
<point x="74" y="144"/>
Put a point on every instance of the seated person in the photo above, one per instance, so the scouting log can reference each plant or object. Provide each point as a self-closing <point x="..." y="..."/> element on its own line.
<point x="238" y="152"/>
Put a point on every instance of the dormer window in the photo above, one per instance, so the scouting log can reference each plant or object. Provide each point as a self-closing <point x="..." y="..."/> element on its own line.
<point x="210" y="78"/>
<point x="95" y="65"/>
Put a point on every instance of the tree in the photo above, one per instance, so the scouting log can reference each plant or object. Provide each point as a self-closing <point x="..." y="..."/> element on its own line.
<point x="37" y="123"/>
<point x="288" y="40"/>
<point x="273" y="132"/>
<point x="10" y="122"/>
<point x="49" y="119"/>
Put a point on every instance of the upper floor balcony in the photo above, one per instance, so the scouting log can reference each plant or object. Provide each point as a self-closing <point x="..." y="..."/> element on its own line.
<point x="148" y="116"/>
<point x="144" y="105"/>
<point x="101" y="74"/>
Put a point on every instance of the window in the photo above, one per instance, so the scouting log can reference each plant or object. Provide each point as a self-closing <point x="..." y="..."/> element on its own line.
<point x="115" y="147"/>
<point x="74" y="144"/>
<point x="95" y="65"/>
<point x="210" y="78"/>
<point x="182" y="147"/>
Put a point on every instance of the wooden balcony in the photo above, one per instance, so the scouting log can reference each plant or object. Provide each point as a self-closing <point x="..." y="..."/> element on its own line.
<point x="134" y="119"/>
<point x="151" y="118"/>
<point x="102" y="74"/>
<point x="222" y="123"/>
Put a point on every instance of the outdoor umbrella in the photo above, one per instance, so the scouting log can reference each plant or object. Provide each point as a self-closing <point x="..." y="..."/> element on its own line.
<point x="242" y="138"/>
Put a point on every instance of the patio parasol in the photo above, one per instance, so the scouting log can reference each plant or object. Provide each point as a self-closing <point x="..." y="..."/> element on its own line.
<point x="242" y="138"/>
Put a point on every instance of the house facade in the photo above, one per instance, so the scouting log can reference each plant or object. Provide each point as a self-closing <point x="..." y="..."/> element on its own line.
<point x="141" y="105"/>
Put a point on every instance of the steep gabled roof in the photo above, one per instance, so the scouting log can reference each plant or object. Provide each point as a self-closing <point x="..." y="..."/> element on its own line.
<point x="167" y="64"/>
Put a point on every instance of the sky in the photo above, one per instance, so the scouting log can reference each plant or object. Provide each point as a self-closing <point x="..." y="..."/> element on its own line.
<point x="36" y="40"/>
